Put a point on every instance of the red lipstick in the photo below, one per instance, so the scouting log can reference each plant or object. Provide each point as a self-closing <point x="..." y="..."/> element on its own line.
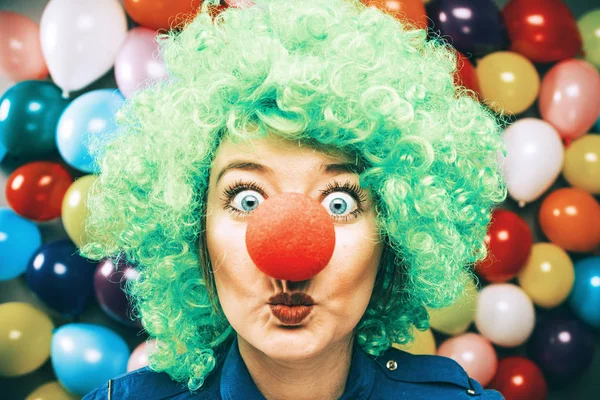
<point x="291" y="309"/>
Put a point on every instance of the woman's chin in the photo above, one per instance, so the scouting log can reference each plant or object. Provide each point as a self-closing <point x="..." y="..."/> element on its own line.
<point x="291" y="343"/>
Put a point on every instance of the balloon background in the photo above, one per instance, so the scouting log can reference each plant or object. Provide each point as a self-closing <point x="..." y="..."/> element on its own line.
<point x="531" y="329"/>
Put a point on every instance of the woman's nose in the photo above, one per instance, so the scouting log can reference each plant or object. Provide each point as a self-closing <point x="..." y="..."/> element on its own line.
<point x="290" y="237"/>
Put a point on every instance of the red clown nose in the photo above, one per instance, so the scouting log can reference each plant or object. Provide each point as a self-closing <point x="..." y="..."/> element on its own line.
<point x="290" y="237"/>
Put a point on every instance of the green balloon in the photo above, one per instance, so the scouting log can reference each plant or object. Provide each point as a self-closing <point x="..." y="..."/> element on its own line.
<point x="29" y="113"/>
<point x="589" y="26"/>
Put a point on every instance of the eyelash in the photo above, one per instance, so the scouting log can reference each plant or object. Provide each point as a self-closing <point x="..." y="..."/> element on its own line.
<point x="352" y="189"/>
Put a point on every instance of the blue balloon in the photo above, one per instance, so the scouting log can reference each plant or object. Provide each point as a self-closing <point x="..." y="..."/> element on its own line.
<point x="584" y="298"/>
<point x="19" y="239"/>
<point x="597" y="126"/>
<point x="471" y="26"/>
<point x="29" y="112"/>
<point x="91" y="114"/>
<point x="61" y="278"/>
<point x="85" y="356"/>
<point x="2" y="152"/>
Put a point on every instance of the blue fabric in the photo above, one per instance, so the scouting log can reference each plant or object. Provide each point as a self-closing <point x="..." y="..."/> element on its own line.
<point x="416" y="377"/>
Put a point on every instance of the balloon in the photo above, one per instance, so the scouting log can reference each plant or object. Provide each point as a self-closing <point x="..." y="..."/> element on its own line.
<point x="569" y="218"/>
<point x="139" y="356"/>
<point x="582" y="163"/>
<point x="505" y="314"/>
<point x="61" y="278"/>
<point x="474" y="353"/>
<point x="411" y="11"/>
<point x="509" y="82"/>
<point x="20" y="239"/>
<point x="92" y="113"/>
<point x="509" y="241"/>
<point x="542" y="30"/>
<point x="51" y="391"/>
<point x="109" y="282"/>
<point x="585" y="297"/>
<point x="85" y="356"/>
<point x="25" y="334"/>
<point x="548" y="276"/>
<point x="2" y="152"/>
<point x="29" y="112"/>
<point x="424" y="343"/>
<point x="138" y="62"/>
<point x="562" y="348"/>
<point x="161" y="14"/>
<point x="519" y="378"/>
<point x="589" y="26"/>
<point x="466" y="75"/>
<point x="81" y="39"/>
<point x="534" y="158"/>
<point x="569" y="97"/>
<point x="36" y="190"/>
<point x="20" y="50"/>
<point x="458" y="317"/>
<point x="474" y="26"/>
<point x="74" y="209"/>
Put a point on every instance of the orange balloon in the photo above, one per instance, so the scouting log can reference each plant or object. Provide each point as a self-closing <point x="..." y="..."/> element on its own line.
<point x="570" y="218"/>
<point x="411" y="10"/>
<point x="161" y="14"/>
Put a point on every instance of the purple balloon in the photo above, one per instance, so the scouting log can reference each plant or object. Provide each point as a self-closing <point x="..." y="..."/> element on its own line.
<point x="563" y="348"/>
<point x="139" y="62"/>
<point x="473" y="26"/>
<point x="109" y="285"/>
<point x="61" y="278"/>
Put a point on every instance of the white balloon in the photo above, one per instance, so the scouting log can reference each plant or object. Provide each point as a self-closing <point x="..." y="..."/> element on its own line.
<point x="81" y="39"/>
<point x="535" y="155"/>
<point x="505" y="314"/>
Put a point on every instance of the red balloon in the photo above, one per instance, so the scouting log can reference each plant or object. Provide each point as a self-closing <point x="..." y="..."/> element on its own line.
<point x="518" y="378"/>
<point x="411" y="10"/>
<point x="36" y="190"/>
<point x="542" y="30"/>
<point x="161" y="14"/>
<point x="466" y="75"/>
<point x="509" y="241"/>
<point x="290" y="237"/>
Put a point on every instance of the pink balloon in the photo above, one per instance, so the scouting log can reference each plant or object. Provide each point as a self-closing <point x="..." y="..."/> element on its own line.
<point x="474" y="353"/>
<point x="569" y="97"/>
<point x="21" y="55"/>
<point x="139" y="356"/>
<point x="138" y="62"/>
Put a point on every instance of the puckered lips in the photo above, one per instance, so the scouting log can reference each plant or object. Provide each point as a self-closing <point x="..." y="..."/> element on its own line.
<point x="291" y="309"/>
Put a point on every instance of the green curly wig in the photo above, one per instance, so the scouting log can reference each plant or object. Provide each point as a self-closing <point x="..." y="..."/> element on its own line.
<point x="333" y="74"/>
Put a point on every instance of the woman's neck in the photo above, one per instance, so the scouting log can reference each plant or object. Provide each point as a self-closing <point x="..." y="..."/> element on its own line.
<point x="323" y="377"/>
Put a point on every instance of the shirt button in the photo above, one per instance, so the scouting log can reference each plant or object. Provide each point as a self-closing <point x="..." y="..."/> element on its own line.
<point x="391" y="365"/>
<point x="471" y="392"/>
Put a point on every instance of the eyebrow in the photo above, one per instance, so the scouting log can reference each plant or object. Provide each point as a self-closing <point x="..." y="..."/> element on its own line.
<point x="326" y="169"/>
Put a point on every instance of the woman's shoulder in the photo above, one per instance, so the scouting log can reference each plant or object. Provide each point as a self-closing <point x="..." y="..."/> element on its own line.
<point x="145" y="384"/>
<point x="400" y="374"/>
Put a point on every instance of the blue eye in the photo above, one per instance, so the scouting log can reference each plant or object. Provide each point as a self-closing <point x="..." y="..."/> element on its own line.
<point x="247" y="201"/>
<point x="337" y="203"/>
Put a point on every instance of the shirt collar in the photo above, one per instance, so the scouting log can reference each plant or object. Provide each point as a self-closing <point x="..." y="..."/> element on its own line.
<point x="236" y="382"/>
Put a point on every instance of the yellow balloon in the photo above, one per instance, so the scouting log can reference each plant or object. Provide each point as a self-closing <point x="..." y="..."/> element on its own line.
<point x="74" y="208"/>
<point x="52" y="391"/>
<point x="548" y="275"/>
<point x="424" y="343"/>
<point x="509" y="82"/>
<point x="25" y="337"/>
<point x="456" y="318"/>
<point x="581" y="167"/>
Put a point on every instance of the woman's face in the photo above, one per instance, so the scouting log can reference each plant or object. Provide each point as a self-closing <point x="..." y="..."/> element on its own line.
<point x="341" y="291"/>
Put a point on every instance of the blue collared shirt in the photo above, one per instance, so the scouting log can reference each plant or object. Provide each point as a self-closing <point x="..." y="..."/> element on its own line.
<point x="394" y="375"/>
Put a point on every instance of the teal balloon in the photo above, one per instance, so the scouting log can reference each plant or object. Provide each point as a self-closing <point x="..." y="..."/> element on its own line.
<point x="85" y="356"/>
<point x="29" y="112"/>
<point x="584" y="298"/>
<point x="598" y="125"/>
<point x="91" y="114"/>
<point x="19" y="240"/>
<point x="2" y="152"/>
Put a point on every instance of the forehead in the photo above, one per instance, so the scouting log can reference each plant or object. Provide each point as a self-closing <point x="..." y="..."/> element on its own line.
<point x="277" y="152"/>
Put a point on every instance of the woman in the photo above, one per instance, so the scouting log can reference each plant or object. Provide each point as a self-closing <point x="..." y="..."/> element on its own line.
<point x="307" y="181"/>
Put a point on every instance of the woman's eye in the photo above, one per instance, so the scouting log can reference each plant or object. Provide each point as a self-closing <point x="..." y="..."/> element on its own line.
<point x="339" y="204"/>
<point x="247" y="201"/>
